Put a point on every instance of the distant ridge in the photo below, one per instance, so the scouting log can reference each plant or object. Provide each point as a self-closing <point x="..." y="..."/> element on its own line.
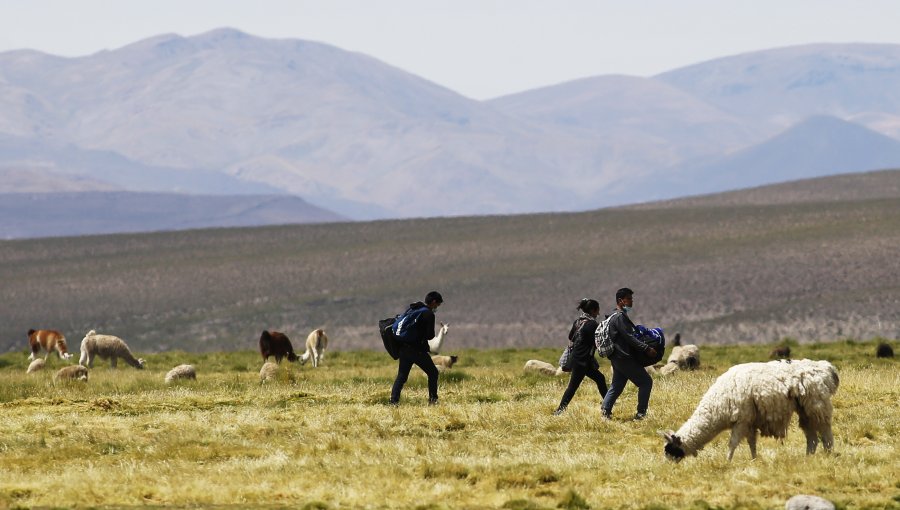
<point x="858" y="186"/>
<point x="818" y="146"/>
<point x="31" y="215"/>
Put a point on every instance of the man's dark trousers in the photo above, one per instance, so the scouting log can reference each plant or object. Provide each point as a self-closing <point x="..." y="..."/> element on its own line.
<point x="422" y="359"/>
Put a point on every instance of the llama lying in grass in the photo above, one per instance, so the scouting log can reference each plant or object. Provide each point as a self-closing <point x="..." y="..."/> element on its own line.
<point x="435" y="344"/>
<point x="48" y="340"/>
<point x="181" y="372"/>
<point x="683" y="357"/>
<point x="276" y="344"/>
<point x="72" y="373"/>
<point x="36" y="366"/>
<point x="761" y="397"/>
<point x="106" y="347"/>
<point x="542" y="367"/>
<point x="268" y="372"/>
<point x="444" y="363"/>
<point x="316" y="343"/>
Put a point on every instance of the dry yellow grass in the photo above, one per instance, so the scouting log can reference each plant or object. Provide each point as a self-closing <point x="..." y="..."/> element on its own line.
<point x="324" y="438"/>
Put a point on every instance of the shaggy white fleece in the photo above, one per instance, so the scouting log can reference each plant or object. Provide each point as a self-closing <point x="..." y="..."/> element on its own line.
<point x="683" y="357"/>
<point x="268" y="371"/>
<point x="106" y="347"/>
<point x="72" y="372"/>
<point x="181" y="372"/>
<point x="36" y="365"/>
<point x="761" y="397"/>
<point x="542" y="367"/>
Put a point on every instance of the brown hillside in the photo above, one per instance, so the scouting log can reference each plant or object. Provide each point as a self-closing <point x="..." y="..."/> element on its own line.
<point x="816" y="269"/>
<point x="836" y="188"/>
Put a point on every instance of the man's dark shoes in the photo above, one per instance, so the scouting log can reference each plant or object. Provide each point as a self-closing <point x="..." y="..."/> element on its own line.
<point x="432" y="401"/>
<point x="639" y="416"/>
<point x="559" y="411"/>
<point x="607" y="415"/>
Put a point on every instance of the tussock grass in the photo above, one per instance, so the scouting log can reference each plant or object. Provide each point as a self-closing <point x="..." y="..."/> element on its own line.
<point x="325" y="438"/>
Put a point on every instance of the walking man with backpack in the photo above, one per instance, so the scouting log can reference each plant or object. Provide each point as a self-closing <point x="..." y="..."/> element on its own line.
<point x="625" y="366"/>
<point x="412" y="330"/>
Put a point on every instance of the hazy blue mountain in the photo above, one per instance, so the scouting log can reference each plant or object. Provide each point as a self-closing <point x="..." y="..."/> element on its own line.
<point x="226" y="112"/>
<point x="818" y="146"/>
<point x="304" y="117"/>
<point x="57" y="167"/>
<point x="780" y="87"/>
<point x="27" y="215"/>
<point x="645" y="118"/>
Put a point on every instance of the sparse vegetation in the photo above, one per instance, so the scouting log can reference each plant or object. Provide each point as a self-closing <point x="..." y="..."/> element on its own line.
<point x="716" y="273"/>
<point x="325" y="438"/>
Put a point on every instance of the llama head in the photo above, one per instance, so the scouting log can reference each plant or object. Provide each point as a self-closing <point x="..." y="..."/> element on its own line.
<point x="66" y="355"/>
<point x="453" y="360"/>
<point x="89" y="334"/>
<point x="691" y="363"/>
<point x="674" y="448"/>
<point x="444" y="328"/>
<point x="141" y="363"/>
<point x="780" y="352"/>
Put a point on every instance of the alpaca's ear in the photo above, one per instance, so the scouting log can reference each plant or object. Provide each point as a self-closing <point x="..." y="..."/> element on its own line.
<point x="670" y="437"/>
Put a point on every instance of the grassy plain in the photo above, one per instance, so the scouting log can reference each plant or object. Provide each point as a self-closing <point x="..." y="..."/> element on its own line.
<point x="325" y="438"/>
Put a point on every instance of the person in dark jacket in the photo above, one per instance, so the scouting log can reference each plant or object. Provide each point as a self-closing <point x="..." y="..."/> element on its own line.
<point x="416" y="352"/>
<point x="625" y="367"/>
<point x="584" y="364"/>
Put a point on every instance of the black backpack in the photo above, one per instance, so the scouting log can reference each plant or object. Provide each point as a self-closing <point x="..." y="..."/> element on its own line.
<point x="385" y="326"/>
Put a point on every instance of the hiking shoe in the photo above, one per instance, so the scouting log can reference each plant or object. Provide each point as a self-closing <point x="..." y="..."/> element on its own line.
<point x="559" y="411"/>
<point x="394" y="403"/>
<point x="639" y="416"/>
<point x="607" y="415"/>
<point x="432" y="401"/>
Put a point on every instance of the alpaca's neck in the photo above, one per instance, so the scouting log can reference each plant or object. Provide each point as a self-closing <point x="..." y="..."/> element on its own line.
<point x="704" y="425"/>
<point x="434" y="345"/>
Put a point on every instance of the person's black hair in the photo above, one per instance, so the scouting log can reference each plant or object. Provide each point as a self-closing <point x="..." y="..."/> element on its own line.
<point x="433" y="296"/>
<point x="624" y="292"/>
<point x="588" y="305"/>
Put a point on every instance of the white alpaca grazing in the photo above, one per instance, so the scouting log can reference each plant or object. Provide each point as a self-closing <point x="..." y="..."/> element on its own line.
<point x="316" y="343"/>
<point x="36" y="365"/>
<point x="761" y="397"/>
<point x="181" y="372"/>
<point x="435" y="344"/>
<point x="106" y="347"/>
<point x="72" y="373"/>
<point x="542" y="367"/>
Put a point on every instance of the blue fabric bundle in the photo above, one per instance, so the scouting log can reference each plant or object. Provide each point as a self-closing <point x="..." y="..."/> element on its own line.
<point x="653" y="337"/>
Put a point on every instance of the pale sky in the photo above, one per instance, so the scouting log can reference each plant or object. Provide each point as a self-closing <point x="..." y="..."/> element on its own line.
<point x="479" y="48"/>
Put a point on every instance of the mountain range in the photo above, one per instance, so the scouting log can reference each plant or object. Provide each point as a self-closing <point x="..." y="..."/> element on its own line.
<point x="228" y="113"/>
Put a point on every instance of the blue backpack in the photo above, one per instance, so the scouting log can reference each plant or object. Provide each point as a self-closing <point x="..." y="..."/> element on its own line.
<point x="404" y="328"/>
